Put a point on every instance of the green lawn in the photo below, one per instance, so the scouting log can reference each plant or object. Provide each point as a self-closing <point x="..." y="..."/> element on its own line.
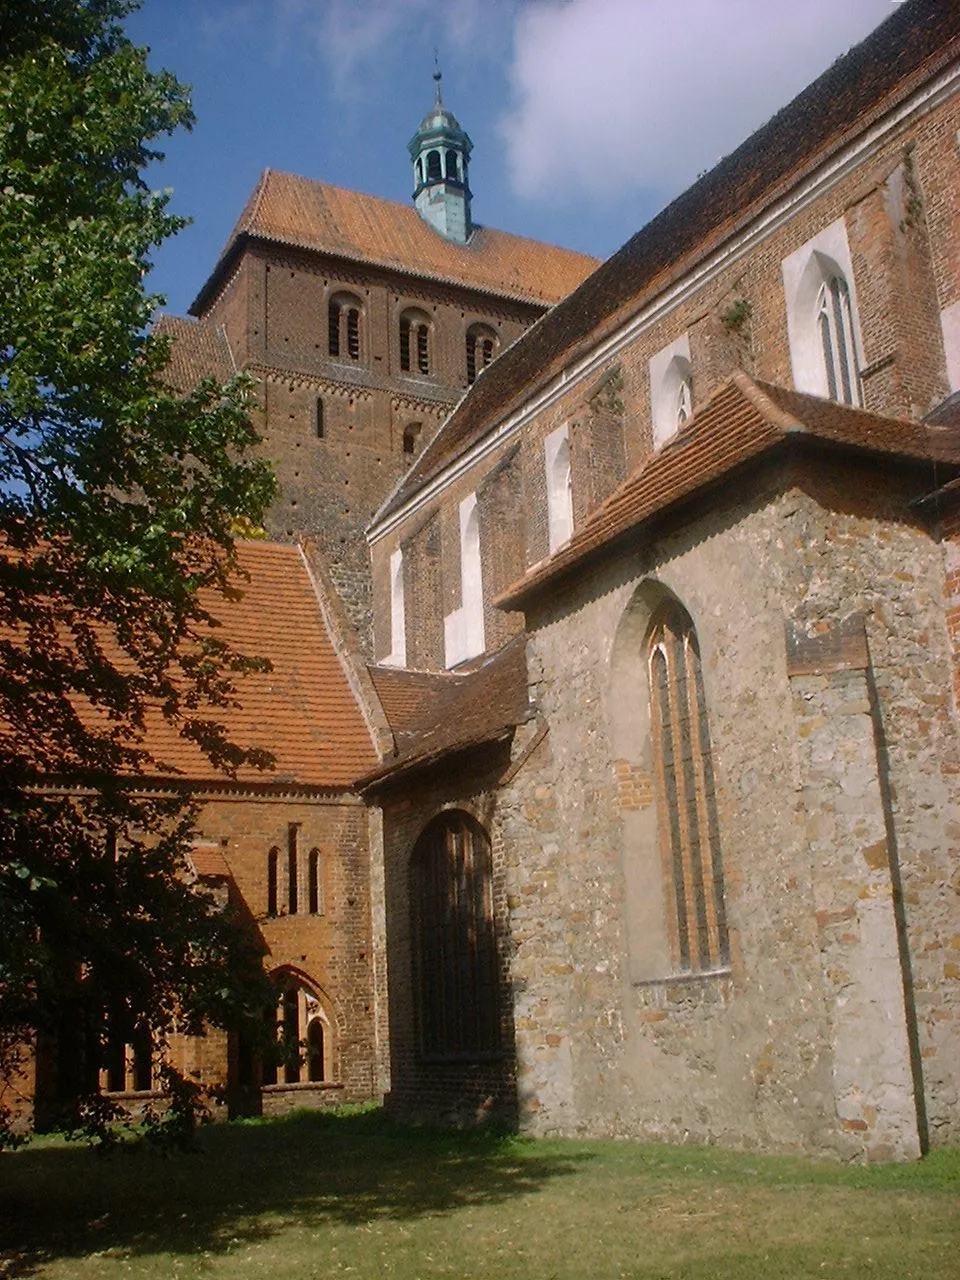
<point x="323" y="1196"/>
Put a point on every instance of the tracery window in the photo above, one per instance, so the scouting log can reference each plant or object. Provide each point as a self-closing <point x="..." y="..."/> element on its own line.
<point x="481" y="349"/>
<point x="686" y="793"/>
<point x="129" y="1059"/>
<point x="301" y="1028"/>
<point x="344" y="322"/>
<point x="414" y="342"/>
<point x="837" y="345"/>
<point x="455" y="953"/>
<point x="684" y="400"/>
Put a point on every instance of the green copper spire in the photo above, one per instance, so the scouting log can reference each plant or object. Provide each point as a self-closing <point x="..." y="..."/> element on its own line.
<point x="440" y="151"/>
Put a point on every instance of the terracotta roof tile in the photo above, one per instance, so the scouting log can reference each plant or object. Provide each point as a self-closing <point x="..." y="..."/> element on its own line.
<point x="208" y="861"/>
<point x="436" y="713"/>
<point x="740" y="422"/>
<point x="917" y="40"/>
<point x="296" y="211"/>
<point x="198" y="350"/>
<point x="302" y="711"/>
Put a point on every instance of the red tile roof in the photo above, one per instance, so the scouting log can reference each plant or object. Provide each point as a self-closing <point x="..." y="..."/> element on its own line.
<point x="209" y="862"/>
<point x="920" y="38"/>
<point x="742" y="421"/>
<point x="302" y="711"/>
<point x="291" y="210"/>
<point x="435" y="713"/>
<point x="198" y="350"/>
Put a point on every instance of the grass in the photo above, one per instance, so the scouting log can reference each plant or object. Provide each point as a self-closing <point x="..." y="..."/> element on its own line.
<point x="324" y="1196"/>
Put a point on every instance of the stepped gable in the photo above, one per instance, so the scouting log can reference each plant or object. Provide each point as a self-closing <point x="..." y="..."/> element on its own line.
<point x="741" y="422"/>
<point x="302" y="711"/>
<point x="289" y="210"/>
<point x="916" y="41"/>
<point x="435" y="713"/>
<point x="198" y="350"/>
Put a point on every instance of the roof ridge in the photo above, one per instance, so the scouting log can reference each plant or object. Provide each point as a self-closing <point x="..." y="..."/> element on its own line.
<point x="766" y="406"/>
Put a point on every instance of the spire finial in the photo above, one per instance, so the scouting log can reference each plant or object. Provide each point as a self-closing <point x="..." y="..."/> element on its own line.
<point x="437" y="76"/>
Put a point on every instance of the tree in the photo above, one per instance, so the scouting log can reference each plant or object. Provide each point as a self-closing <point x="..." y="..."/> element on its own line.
<point x="117" y="501"/>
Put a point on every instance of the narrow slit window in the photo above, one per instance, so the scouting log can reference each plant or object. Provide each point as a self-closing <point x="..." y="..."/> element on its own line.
<point x="293" y="870"/>
<point x="273" y="873"/>
<point x="314" y="887"/>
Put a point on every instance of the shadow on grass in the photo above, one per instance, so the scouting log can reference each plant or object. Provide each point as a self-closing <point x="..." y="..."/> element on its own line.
<point x="248" y="1181"/>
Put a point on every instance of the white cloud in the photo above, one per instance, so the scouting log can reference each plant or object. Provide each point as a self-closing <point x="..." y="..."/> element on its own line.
<point x="617" y="95"/>
<point x="354" y="37"/>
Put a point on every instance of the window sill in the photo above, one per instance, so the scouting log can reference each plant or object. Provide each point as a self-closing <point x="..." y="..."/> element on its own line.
<point x="686" y="976"/>
<point x="301" y="1085"/>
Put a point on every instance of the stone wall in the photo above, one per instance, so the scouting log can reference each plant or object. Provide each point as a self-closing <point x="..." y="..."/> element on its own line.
<point x="826" y="793"/>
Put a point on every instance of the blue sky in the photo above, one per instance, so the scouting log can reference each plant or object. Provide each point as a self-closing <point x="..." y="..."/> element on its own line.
<point x="586" y="115"/>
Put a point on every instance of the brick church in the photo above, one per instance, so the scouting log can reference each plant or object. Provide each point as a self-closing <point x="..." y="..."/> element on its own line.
<point x="614" y="613"/>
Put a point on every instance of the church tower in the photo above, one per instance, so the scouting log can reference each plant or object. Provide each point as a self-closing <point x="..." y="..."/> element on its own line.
<point x="440" y="151"/>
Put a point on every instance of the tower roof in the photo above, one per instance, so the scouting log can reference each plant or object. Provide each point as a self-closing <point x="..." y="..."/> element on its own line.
<point x="289" y="210"/>
<point x="439" y="125"/>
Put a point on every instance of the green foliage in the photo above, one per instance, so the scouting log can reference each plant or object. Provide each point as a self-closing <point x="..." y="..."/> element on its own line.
<point x="118" y="501"/>
<point x="736" y="318"/>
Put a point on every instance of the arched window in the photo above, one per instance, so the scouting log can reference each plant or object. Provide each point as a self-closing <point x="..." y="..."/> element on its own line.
<point x="433" y="166"/>
<point x="686" y="792"/>
<point x="344" y="321"/>
<point x="293" y="873"/>
<point x="129" y="1057"/>
<point x="315" y="903"/>
<point x="300" y="1026"/>
<point x="455" y="953"/>
<point x="453" y="170"/>
<point x="411" y="434"/>
<point x="415" y="342"/>
<point x="481" y="349"/>
<point x="273" y="881"/>
<point x="463" y="629"/>
<point x="835" y="327"/>
<point x="671" y="389"/>
<point x="822" y="326"/>
<point x="315" y="1063"/>
<point x="398" y="613"/>
<point x="559" y="488"/>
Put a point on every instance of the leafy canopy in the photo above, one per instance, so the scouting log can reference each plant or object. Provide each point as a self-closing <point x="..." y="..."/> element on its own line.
<point x="117" y="500"/>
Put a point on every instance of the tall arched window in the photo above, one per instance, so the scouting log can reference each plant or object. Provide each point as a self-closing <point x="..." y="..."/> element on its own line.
<point x="315" y="903"/>
<point x="822" y="326"/>
<point x="690" y="834"/>
<point x="481" y="348"/>
<point x="837" y="345"/>
<point x="273" y="882"/>
<point x="433" y="166"/>
<point x="455" y="953"/>
<point x="344" y="323"/>
<point x="301" y="1028"/>
<point x="559" y="488"/>
<point x="415" y="342"/>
